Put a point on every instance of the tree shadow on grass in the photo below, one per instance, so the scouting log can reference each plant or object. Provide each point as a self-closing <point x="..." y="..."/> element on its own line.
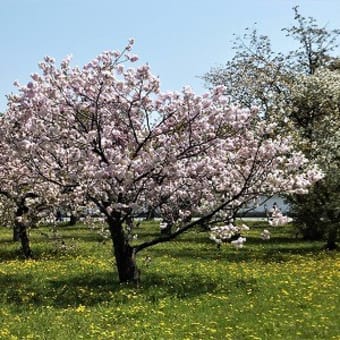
<point x="41" y="236"/>
<point x="39" y="253"/>
<point x="89" y="289"/>
<point x="6" y="241"/>
<point x="156" y="286"/>
<point x="15" y="253"/>
<point x="22" y="291"/>
<point x="44" y="248"/>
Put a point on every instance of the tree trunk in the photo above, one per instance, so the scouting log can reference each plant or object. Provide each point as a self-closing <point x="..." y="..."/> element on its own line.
<point x="73" y="220"/>
<point x="331" y="239"/>
<point x="25" y="243"/>
<point x="124" y="254"/>
<point x="16" y="233"/>
<point x="167" y="230"/>
<point x="20" y="229"/>
<point x="23" y="236"/>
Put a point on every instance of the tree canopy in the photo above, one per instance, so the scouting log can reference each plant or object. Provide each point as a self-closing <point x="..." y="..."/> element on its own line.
<point x="105" y="134"/>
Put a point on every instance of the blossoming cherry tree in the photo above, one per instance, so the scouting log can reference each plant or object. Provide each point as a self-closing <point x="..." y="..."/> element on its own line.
<point x="105" y="134"/>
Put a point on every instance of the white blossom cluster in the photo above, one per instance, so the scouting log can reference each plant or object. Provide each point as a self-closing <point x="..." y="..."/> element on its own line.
<point x="278" y="219"/>
<point x="220" y="234"/>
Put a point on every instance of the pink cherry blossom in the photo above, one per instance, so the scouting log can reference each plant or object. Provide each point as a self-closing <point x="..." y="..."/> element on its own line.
<point x="106" y="135"/>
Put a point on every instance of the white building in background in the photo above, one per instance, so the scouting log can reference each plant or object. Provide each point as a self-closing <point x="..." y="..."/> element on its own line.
<point x="266" y="204"/>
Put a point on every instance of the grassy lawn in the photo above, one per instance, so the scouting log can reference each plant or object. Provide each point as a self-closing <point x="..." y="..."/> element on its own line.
<point x="283" y="288"/>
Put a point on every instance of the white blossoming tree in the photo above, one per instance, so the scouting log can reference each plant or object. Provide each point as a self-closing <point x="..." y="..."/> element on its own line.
<point x="300" y="91"/>
<point x="25" y="199"/>
<point x="316" y="115"/>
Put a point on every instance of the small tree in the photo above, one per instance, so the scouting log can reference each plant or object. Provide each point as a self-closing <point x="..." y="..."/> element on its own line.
<point x="22" y="193"/>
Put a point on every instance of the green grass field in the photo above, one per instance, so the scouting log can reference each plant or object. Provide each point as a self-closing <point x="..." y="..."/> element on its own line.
<point x="283" y="288"/>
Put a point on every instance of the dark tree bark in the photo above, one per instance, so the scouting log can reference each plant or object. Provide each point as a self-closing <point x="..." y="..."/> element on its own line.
<point x="167" y="230"/>
<point x="331" y="239"/>
<point x="16" y="233"/>
<point x="20" y="229"/>
<point x="24" y="240"/>
<point x="73" y="220"/>
<point x="124" y="254"/>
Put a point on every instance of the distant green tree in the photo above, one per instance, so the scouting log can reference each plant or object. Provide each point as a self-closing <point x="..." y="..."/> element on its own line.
<point x="315" y="112"/>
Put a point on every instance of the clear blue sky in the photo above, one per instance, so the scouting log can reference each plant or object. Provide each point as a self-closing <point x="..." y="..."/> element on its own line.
<point x="180" y="39"/>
